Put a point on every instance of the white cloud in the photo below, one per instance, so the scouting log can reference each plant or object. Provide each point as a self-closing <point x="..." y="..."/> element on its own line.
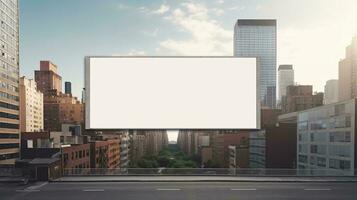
<point x="207" y="37"/>
<point x="220" y="1"/>
<point x="162" y="10"/>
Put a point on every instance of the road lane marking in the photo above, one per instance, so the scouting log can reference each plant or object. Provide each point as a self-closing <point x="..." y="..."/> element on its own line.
<point x="93" y="190"/>
<point x="168" y="189"/>
<point x="34" y="187"/>
<point x="243" y="189"/>
<point x="25" y="190"/>
<point x="317" y="189"/>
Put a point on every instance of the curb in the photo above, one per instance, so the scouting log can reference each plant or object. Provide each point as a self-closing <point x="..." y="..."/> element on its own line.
<point x="203" y="180"/>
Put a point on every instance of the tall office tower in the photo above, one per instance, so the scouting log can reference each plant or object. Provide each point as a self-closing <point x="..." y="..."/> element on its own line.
<point x="9" y="82"/>
<point x="347" y="77"/>
<point x="31" y="106"/>
<point x="67" y="87"/>
<point x="270" y="97"/>
<point x="331" y="91"/>
<point x="285" y="78"/>
<point x="258" y="38"/>
<point x="47" y="78"/>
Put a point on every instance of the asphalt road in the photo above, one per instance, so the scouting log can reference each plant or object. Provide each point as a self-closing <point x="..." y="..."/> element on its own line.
<point x="179" y="190"/>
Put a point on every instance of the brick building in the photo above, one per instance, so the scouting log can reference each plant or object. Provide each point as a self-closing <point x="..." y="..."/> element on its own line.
<point x="47" y="78"/>
<point x="105" y="154"/>
<point x="300" y="97"/>
<point x="76" y="156"/>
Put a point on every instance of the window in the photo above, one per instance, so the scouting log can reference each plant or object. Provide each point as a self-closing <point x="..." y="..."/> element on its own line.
<point x="321" y="162"/>
<point x="302" y="158"/>
<point x="340" y="150"/>
<point x="340" y="136"/>
<point x="318" y="149"/>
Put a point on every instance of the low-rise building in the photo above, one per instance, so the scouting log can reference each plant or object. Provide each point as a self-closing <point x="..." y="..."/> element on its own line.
<point x="222" y="140"/>
<point x="105" y="154"/>
<point x="273" y="147"/>
<point x="239" y="156"/>
<point x="326" y="139"/>
<point x="76" y="156"/>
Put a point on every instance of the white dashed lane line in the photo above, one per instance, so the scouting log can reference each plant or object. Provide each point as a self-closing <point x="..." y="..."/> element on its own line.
<point x="168" y="189"/>
<point x="93" y="190"/>
<point x="317" y="189"/>
<point x="243" y="189"/>
<point x="27" y="190"/>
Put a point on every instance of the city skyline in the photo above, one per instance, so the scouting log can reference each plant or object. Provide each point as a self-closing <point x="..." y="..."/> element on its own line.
<point x="175" y="28"/>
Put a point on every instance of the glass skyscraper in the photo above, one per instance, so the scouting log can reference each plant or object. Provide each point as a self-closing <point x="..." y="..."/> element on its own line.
<point x="258" y="38"/>
<point x="9" y="82"/>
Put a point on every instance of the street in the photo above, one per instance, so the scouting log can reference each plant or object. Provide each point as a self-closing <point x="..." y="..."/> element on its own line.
<point x="178" y="190"/>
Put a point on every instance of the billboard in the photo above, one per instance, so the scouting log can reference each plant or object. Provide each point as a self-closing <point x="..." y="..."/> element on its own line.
<point x="172" y="93"/>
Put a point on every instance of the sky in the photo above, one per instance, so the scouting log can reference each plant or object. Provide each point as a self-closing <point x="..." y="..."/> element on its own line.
<point x="312" y="34"/>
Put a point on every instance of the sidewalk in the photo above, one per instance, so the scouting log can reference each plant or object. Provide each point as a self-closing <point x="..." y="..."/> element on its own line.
<point x="201" y="179"/>
<point x="11" y="179"/>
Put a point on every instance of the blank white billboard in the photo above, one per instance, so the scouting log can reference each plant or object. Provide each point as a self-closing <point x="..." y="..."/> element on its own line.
<point x="172" y="93"/>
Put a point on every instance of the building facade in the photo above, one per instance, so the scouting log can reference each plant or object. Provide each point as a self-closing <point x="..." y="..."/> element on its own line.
<point x="105" y="154"/>
<point x="47" y="78"/>
<point x="9" y="82"/>
<point x="137" y="149"/>
<point x="285" y="78"/>
<point x="239" y="156"/>
<point x="300" y="97"/>
<point x="221" y="142"/>
<point x="68" y="88"/>
<point x="331" y="91"/>
<point x="124" y="150"/>
<point x="61" y="109"/>
<point x="347" y="73"/>
<point x="31" y="106"/>
<point x="326" y="139"/>
<point x="258" y="38"/>
<point x="76" y="156"/>
<point x="273" y="147"/>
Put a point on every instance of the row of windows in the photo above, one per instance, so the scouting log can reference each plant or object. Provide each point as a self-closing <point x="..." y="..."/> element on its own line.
<point x="8" y="86"/>
<point x="333" y="150"/>
<point x="10" y="41"/>
<point x="9" y="146"/>
<point x="339" y="164"/>
<point x="10" y="21"/>
<point x="9" y="156"/>
<point x="7" y="67"/>
<point x="8" y="125"/>
<point x="6" y="76"/>
<point x="77" y="154"/>
<point x="9" y="106"/>
<point x="8" y="52"/>
<point x="323" y="137"/>
<point x="9" y="96"/>
<point x="6" y="8"/>
<point x="8" y="115"/>
<point x="9" y="136"/>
